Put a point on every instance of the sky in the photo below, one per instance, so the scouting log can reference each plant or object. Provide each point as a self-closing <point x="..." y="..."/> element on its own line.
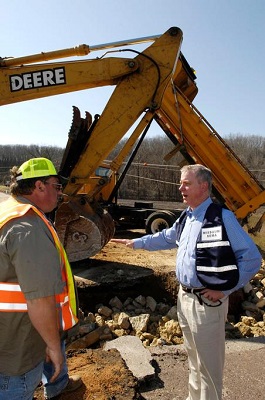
<point x="223" y="40"/>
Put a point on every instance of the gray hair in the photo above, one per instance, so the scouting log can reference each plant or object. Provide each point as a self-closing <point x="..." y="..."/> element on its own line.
<point x="202" y="173"/>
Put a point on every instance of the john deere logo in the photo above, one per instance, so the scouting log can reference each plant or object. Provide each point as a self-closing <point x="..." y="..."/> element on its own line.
<point x="38" y="79"/>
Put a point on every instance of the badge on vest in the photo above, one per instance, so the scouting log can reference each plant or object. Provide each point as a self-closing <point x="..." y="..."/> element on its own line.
<point x="214" y="233"/>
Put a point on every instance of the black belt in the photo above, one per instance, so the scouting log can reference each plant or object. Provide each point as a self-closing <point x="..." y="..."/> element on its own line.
<point x="197" y="292"/>
<point x="191" y="290"/>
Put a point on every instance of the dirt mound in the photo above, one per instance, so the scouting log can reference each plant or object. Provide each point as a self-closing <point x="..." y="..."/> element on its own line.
<point x="104" y="375"/>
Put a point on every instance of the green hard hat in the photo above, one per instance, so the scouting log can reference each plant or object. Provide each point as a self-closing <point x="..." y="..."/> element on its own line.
<point x="36" y="168"/>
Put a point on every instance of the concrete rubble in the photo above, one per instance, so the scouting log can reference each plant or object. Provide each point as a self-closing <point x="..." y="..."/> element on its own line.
<point x="156" y="323"/>
<point x="137" y="358"/>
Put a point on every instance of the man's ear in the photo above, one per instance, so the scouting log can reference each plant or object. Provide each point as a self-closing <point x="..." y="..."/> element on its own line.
<point x="205" y="186"/>
<point x="39" y="185"/>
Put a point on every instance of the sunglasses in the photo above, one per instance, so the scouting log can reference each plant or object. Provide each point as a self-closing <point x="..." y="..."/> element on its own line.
<point x="58" y="186"/>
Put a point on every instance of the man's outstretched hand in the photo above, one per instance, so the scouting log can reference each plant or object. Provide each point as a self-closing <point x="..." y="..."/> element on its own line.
<point x="125" y="242"/>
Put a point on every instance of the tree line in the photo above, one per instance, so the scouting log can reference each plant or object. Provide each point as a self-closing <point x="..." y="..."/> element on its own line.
<point x="11" y="155"/>
<point x="150" y="176"/>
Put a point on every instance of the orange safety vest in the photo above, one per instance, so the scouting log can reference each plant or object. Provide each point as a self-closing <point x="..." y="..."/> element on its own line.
<point x="12" y="298"/>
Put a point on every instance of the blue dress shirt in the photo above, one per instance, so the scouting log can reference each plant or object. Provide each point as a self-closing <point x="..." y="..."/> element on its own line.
<point x="246" y="253"/>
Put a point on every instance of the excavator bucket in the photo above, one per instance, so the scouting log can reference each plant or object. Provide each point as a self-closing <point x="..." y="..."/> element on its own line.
<point x="82" y="229"/>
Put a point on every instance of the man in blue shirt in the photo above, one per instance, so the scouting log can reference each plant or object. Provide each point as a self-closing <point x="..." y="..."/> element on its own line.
<point x="211" y="250"/>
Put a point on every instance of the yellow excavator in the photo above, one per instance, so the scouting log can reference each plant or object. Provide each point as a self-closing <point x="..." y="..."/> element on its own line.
<point x="156" y="84"/>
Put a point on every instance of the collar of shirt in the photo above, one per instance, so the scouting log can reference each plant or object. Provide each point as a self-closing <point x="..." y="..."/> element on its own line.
<point x="199" y="211"/>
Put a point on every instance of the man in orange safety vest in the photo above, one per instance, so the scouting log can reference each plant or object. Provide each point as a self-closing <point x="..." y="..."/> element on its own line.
<point x="37" y="293"/>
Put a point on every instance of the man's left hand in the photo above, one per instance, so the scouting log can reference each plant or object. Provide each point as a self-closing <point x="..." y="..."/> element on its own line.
<point x="212" y="295"/>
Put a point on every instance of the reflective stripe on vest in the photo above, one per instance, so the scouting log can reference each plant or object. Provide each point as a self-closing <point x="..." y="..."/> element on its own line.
<point x="207" y="268"/>
<point x="11" y="296"/>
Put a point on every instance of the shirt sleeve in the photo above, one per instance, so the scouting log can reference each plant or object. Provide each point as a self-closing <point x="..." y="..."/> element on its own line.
<point x="164" y="240"/>
<point x="246" y="252"/>
<point x="35" y="258"/>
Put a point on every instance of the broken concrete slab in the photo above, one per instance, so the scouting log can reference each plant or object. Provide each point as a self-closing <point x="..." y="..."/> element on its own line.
<point x="137" y="358"/>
